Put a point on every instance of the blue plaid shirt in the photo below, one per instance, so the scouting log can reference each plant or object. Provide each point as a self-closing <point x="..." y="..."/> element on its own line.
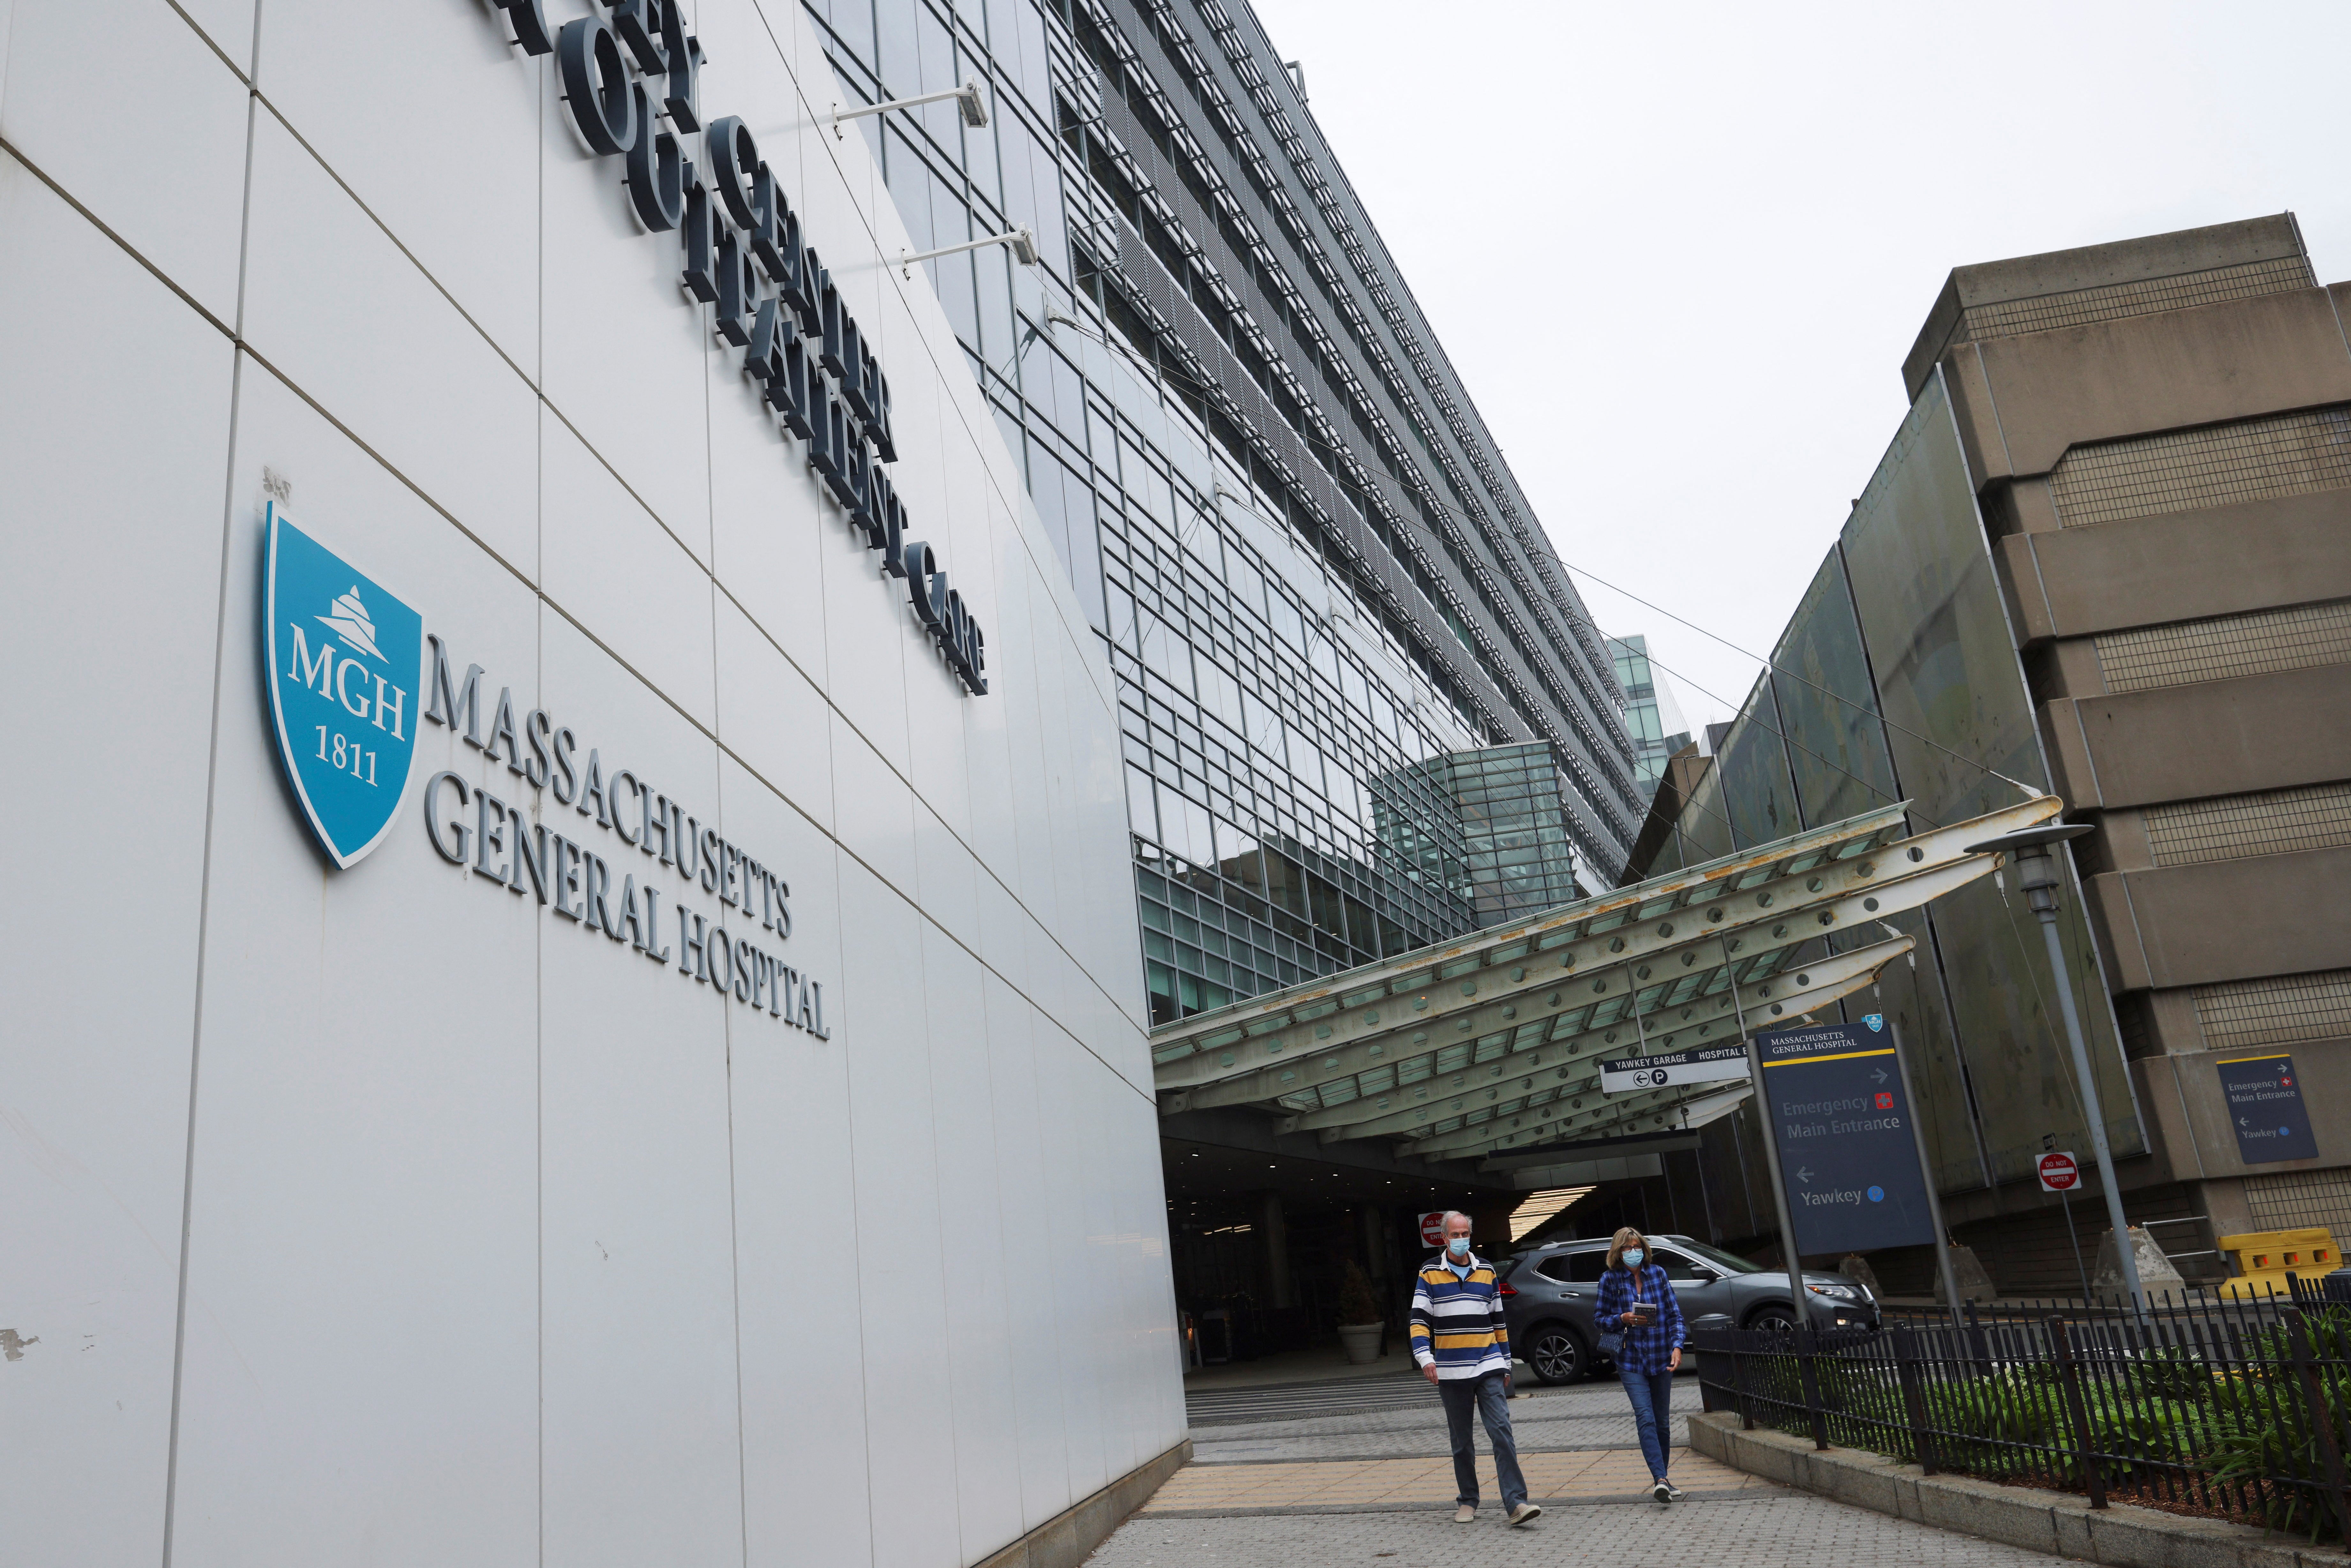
<point x="1650" y="1347"/>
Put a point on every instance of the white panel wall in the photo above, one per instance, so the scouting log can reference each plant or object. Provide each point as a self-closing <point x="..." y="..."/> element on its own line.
<point x="381" y="1215"/>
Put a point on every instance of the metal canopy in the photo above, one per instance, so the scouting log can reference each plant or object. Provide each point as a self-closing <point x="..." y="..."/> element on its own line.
<point x="1494" y="1042"/>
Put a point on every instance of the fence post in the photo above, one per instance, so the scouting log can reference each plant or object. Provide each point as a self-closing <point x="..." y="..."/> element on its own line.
<point x="1977" y="1343"/>
<point x="1808" y="1377"/>
<point x="2069" y="1373"/>
<point x="1739" y="1376"/>
<point x="1914" y="1396"/>
<point x="2322" y="1416"/>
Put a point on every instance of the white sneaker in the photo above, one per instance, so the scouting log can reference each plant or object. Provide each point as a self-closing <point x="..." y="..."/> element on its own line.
<point x="1526" y="1512"/>
<point x="1662" y="1492"/>
<point x="1465" y="1514"/>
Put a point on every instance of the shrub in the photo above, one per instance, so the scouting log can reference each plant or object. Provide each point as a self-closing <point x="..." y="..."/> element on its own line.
<point x="1358" y="1301"/>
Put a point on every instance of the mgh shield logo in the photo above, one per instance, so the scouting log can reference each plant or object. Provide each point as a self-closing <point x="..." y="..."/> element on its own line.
<point x="344" y="658"/>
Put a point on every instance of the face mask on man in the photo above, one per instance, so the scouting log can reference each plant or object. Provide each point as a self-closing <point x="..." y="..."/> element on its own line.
<point x="1457" y="1245"/>
<point x="1633" y="1256"/>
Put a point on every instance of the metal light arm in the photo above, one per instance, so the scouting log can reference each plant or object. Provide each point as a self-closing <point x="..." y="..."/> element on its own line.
<point x="1023" y="244"/>
<point x="966" y="97"/>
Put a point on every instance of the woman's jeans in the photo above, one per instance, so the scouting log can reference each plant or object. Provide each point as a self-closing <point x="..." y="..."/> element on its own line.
<point x="1652" y="1394"/>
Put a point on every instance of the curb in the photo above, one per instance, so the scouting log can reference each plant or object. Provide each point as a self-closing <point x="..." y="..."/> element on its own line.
<point x="1068" y="1537"/>
<point x="2058" y="1523"/>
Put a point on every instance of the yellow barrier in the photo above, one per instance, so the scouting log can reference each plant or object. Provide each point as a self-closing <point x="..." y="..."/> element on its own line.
<point x="2262" y="1259"/>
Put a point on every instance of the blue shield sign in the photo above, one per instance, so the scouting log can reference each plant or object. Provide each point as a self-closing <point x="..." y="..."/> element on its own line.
<point x="1874" y="1020"/>
<point x="345" y="664"/>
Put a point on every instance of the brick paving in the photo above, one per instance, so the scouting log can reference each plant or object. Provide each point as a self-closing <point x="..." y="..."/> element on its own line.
<point x="1767" y="1527"/>
<point x="1342" y="1486"/>
<point x="1374" y="1490"/>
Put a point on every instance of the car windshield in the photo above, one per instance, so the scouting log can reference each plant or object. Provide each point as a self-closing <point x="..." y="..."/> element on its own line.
<point x="1727" y="1262"/>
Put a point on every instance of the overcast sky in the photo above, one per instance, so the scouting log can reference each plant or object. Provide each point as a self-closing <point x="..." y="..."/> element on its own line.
<point x="1678" y="254"/>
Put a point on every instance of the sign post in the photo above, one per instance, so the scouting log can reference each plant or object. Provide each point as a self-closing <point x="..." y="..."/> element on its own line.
<point x="1841" y="1122"/>
<point x="1792" y="1259"/>
<point x="2060" y="1173"/>
<point x="1926" y="1167"/>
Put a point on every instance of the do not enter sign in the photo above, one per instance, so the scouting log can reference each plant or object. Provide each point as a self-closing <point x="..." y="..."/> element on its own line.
<point x="2059" y="1173"/>
<point x="1432" y="1230"/>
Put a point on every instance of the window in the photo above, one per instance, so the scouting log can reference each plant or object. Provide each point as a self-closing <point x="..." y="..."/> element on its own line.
<point x="1577" y="1268"/>
<point x="1716" y="1258"/>
<point x="1680" y="1269"/>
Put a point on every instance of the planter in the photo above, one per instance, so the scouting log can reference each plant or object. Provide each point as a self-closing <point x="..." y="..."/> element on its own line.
<point x="1361" y="1341"/>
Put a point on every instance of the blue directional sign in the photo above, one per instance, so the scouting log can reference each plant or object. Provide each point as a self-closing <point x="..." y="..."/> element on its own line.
<point x="1833" y="1094"/>
<point x="2264" y="1096"/>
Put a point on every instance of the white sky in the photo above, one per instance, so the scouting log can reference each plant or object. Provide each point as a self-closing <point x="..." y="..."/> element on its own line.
<point x="1678" y="254"/>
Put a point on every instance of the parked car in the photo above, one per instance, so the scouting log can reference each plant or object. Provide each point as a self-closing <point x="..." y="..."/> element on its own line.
<point x="1550" y="1292"/>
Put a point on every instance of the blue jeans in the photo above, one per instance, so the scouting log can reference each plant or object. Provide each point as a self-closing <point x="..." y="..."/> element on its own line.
<point x="1494" y="1405"/>
<point x="1652" y="1394"/>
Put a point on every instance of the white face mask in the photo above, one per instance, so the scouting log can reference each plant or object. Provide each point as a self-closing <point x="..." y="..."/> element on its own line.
<point x="1457" y="1245"/>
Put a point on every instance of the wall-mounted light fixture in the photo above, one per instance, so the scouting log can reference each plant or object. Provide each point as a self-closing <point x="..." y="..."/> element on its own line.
<point x="1022" y="244"/>
<point x="966" y="97"/>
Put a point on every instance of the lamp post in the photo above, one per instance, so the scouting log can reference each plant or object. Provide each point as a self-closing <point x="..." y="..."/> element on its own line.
<point x="2037" y="875"/>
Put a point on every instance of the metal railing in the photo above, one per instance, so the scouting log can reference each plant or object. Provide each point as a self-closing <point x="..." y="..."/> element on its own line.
<point x="2229" y="1406"/>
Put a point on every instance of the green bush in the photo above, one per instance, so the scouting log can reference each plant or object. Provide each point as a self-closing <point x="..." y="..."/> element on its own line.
<point x="2266" y="1428"/>
<point x="2164" y="1407"/>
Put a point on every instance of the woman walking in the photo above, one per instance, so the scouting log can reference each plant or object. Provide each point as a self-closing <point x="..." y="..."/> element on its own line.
<point x="1638" y="1306"/>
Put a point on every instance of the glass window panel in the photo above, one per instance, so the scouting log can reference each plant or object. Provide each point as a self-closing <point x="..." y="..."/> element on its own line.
<point x="1000" y="340"/>
<point x="952" y="275"/>
<point x="1836" y="745"/>
<point x="1142" y="815"/>
<point x="1754" y="768"/>
<point x="1940" y="645"/>
<point x="896" y="57"/>
<point x="938" y="73"/>
<point x="1045" y="479"/>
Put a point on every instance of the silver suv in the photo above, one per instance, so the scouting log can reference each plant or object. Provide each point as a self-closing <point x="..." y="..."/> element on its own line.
<point x="1550" y="1293"/>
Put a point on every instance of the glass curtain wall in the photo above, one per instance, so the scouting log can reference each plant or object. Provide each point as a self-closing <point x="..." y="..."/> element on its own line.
<point x="1278" y="729"/>
<point x="1652" y="717"/>
<point x="1896" y="679"/>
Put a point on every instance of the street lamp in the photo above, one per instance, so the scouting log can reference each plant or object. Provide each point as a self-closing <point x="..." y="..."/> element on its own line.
<point x="2037" y="872"/>
<point x="1022" y="244"/>
<point x="967" y="100"/>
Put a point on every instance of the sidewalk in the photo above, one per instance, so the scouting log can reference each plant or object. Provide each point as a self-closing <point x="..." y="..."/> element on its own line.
<point x="1373" y="1489"/>
<point x="1362" y="1486"/>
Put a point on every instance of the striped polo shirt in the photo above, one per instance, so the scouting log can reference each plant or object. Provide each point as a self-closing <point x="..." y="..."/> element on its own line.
<point x="1458" y="1323"/>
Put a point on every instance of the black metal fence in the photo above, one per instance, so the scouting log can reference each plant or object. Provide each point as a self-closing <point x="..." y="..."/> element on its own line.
<point x="2226" y="1407"/>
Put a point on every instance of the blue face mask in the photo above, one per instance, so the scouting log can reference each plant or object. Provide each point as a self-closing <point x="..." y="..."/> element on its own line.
<point x="1457" y="1245"/>
<point x="1633" y="1256"/>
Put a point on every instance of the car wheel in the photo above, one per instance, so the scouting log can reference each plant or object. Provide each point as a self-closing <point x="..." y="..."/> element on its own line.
<point x="1772" y="1317"/>
<point x="1555" y="1355"/>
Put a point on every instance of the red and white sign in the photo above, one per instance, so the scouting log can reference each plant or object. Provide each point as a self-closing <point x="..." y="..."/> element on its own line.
<point x="2059" y="1173"/>
<point x="1432" y="1230"/>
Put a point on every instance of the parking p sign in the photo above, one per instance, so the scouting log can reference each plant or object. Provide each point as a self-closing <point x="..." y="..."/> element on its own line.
<point x="2059" y="1172"/>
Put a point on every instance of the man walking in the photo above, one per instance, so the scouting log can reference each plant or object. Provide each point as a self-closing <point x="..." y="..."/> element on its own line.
<point x="1462" y="1340"/>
